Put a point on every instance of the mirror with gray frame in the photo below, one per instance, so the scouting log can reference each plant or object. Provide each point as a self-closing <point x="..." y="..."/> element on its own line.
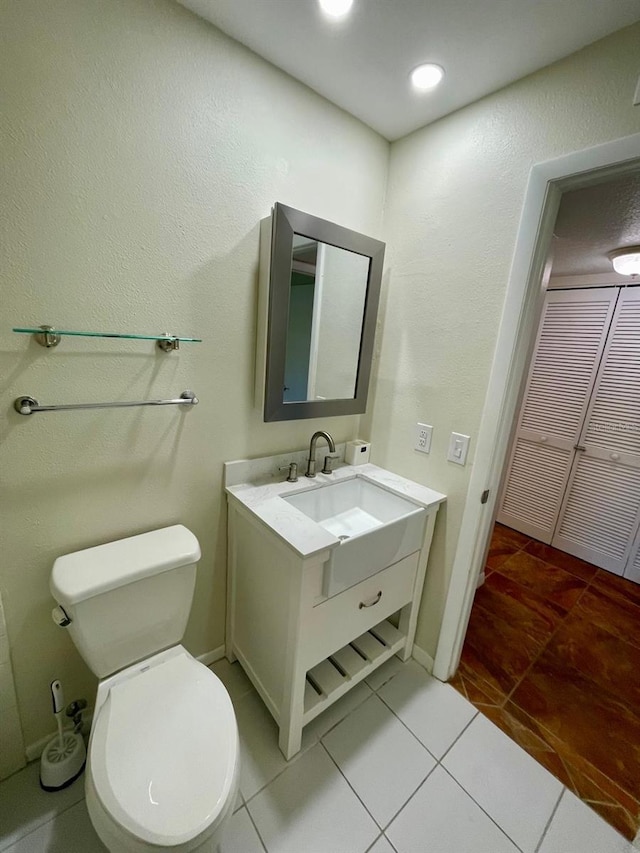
<point x="321" y="286"/>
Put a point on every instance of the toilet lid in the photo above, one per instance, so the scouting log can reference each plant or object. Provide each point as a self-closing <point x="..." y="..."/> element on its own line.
<point x="164" y="751"/>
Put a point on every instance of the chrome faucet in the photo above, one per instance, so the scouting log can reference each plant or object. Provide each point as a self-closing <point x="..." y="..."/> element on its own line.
<point x="311" y="462"/>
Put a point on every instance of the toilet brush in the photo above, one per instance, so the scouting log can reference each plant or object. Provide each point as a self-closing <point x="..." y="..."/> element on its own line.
<point x="64" y="757"/>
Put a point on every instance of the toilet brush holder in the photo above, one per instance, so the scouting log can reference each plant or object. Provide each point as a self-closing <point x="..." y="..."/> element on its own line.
<point x="64" y="757"/>
<point x="62" y="763"/>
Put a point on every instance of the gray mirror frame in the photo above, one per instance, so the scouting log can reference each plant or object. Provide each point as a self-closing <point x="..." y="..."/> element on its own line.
<point x="287" y="221"/>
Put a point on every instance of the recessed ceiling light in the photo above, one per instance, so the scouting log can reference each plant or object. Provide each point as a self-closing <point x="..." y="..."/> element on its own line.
<point x="336" y="8"/>
<point x="427" y="76"/>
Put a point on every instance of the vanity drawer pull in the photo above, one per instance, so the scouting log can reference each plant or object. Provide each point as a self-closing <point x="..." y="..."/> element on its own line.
<point x="372" y="602"/>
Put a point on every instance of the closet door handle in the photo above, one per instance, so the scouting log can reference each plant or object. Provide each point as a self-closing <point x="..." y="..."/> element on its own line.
<point x="578" y="447"/>
<point x="614" y="456"/>
<point x="544" y="438"/>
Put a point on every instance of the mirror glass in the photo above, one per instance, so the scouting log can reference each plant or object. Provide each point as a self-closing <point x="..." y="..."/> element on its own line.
<point x="321" y="287"/>
<point x="326" y="312"/>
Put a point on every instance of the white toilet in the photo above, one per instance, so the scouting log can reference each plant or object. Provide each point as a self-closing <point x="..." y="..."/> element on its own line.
<point x="162" y="769"/>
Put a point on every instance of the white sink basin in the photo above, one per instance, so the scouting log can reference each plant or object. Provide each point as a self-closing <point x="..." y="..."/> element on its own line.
<point x="376" y="528"/>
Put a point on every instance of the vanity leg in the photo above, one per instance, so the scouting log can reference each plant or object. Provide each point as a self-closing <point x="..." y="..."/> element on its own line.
<point x="290" y="739"/>
<point x="405" y="652"/>
<point x="231" y="566"/>
<point x="409" y="614"/>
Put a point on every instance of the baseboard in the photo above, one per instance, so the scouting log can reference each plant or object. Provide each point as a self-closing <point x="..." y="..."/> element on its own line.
<point x="422" y="658"/>
<point x="211" y="657"/>
<point x="34" y="750"/>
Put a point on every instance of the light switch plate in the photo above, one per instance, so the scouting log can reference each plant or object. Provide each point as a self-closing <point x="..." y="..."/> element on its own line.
<point x="423" y="438"/>
<point x="458" y="448"/>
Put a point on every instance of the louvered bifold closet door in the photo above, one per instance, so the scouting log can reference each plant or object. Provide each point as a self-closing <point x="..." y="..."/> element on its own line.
<point x="632" y="570"/>
<point x="601" y="511"/>
<point x="565" y="361"/>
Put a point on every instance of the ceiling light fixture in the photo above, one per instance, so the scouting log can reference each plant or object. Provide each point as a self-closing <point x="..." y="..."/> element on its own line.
<point x="626" y="261"/>
<point x="427" y="76"/>
<point x="336" y="8"/>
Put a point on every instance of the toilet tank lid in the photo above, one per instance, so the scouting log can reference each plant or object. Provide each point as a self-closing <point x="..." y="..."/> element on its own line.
<point x="84" y="574"/>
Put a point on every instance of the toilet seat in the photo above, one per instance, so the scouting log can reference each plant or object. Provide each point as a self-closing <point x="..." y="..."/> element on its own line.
<point x="164" y="750"/>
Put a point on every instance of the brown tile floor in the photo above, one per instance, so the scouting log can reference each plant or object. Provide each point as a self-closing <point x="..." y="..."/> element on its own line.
<point x="552" y="656"/>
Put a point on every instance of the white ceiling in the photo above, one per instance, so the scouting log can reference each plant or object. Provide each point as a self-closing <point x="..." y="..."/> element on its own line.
<point x="592" y="222"/>
<point x="362" y="62"/>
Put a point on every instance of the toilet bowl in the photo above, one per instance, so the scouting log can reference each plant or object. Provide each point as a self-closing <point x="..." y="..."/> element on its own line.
<point x="163" y="758"/>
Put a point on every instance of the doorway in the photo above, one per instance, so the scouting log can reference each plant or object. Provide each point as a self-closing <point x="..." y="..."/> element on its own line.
<point x="545" y="602"/>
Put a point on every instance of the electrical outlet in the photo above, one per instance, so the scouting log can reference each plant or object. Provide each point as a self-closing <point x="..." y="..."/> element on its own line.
<point x="423" y="438"/>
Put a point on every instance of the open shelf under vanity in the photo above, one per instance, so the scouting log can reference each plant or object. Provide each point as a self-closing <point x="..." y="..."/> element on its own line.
<point x="326" y="682"/>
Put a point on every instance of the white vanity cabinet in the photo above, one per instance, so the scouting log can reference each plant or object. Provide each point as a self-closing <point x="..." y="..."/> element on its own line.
<point x="301" y="648"/>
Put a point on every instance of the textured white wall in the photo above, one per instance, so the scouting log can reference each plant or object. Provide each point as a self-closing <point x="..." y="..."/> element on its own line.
<point x="455" y="194"/>
<point x="141" y="148"/>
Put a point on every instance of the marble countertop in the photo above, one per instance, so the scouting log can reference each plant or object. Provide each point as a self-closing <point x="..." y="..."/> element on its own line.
<point x="262" y="498"/>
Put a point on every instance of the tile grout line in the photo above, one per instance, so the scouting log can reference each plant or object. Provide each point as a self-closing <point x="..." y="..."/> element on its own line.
<point x="450" y="747"/>
<point x="560" y="623"/>
<point x="388" y="840"/>
<point x="411" y="796"/>
<point x="289" y="763"/>
<point x="553" y="814"/>
<point x="253" y="823"/>
<point x="370" y="848"/>
<point x="400" y="720"/>
<point x="482" y="809"/>
<point x="545" y="645"/>
<point x="382" y="835"/>
<point x="352" y="788"/>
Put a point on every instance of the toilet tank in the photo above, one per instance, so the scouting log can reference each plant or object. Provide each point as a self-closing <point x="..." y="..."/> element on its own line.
<point x="128" y="599"/>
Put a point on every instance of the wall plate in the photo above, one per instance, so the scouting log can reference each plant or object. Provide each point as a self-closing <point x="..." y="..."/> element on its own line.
<point x="422" y="442"/>
<point x="458" y="448"/>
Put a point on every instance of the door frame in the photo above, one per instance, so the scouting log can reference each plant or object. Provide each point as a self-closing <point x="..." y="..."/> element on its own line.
<point x="516" y="333"/>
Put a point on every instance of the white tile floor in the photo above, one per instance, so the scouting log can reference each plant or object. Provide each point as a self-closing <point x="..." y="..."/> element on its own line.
<point x="402" y="764"/>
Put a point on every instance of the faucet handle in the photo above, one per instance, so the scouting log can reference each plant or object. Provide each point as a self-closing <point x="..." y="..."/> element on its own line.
<point x="292" y="468"/>
<point x="330" y="461"/>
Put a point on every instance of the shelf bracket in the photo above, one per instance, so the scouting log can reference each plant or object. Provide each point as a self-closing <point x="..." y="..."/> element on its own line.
<point x="47" y="337"/>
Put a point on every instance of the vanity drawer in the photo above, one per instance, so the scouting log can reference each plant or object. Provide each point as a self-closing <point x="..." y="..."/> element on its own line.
<point x="335" y="622"/>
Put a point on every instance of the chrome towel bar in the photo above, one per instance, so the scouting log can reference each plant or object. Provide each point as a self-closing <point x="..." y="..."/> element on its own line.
<point x="28" y="405"/>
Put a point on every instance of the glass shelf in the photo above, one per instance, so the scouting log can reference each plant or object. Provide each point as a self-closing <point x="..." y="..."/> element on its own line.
<point x="47" y="336"/>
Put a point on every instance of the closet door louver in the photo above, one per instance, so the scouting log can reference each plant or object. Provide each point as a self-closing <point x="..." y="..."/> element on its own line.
<point x="601" y="511"/>
<point x="565" y="361"/>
